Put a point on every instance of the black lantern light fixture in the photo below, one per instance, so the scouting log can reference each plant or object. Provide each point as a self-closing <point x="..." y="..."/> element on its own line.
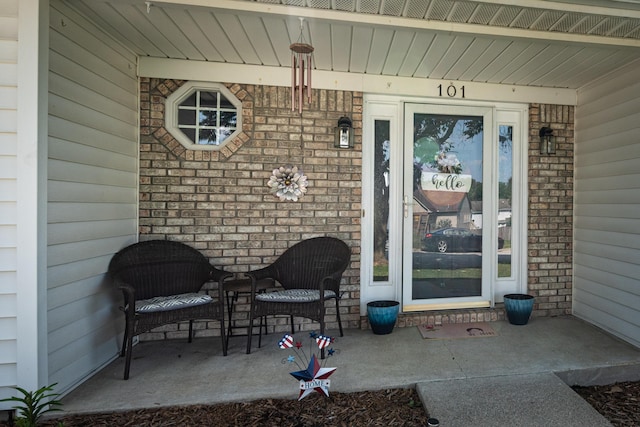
<point x="344" y="133"/>
<point x="547" y="141"/>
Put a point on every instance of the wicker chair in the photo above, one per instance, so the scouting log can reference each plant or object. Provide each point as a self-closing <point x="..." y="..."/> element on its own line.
<point x="309" y="273"/>
<point x="160" y="281"/>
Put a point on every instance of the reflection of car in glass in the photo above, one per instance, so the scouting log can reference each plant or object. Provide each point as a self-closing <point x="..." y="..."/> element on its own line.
<point x="454" y="240"/>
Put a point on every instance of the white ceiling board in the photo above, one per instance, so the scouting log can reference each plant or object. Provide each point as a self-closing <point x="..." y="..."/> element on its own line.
<point x="362" y="37"/>
<point x="602" y="68"/>
<point x="278" y="36"/>
<point x="456" y="50"/>
<point x="259" y="39"/>
<point x="380" y="44"/>
<point x="340" y="46"/>
<point x="183" y="42"/>
<point x="193" y="34"/>
<point x="416" y="54"/>
<point x="322" y="43"/>
<point x="516" y="42"/>
<point x="208" y="46"/>
<point x="534" y="55"/>
<point x="214" y="32"/>
<point x="435" y="53"/>
<point x="568" y="66"/>
<point x="397" y="53"/>
<point x="552" y="57"/>
<point x="518" y="56"/>
<point x="241" y="43"/>
<point x="113" y="23"/>
<point x="583" y="67"/>
<point x="152" y="29"/>
<point x="469" y="57"/>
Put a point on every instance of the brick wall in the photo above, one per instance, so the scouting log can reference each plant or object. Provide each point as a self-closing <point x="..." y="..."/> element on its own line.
<point x="219" y="202"/>
<point x="551" y="211"/>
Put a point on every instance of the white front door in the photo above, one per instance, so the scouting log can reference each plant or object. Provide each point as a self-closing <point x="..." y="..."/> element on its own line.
<point x="445" y="158"/>
<point x="442" y="228"/>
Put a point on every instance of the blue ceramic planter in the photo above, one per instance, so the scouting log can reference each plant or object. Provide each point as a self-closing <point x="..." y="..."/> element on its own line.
<point x="382" y="316"/>
<point x="518" y="308"/>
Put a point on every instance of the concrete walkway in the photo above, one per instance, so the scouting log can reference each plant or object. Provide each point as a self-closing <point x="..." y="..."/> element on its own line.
<point x="517" y="378"/>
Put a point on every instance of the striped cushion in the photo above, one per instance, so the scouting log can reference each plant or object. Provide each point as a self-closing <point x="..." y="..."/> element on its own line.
<point x="294" y="295"/>
<point x="171" y="302"/>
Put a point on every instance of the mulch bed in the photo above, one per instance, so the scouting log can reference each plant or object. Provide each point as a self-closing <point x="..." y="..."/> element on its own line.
<point x="393" y="407"/>
<point x="619" y="403"/>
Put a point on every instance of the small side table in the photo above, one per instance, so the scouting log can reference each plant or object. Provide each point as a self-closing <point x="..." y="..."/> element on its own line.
<point x="233" y="288"/>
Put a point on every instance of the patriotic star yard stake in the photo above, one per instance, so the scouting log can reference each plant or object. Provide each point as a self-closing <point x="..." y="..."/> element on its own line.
<point x="314" y="377"/>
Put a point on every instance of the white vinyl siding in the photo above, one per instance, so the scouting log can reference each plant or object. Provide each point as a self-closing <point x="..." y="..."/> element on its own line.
<point x="607" y="205"/>
<point x="92" y="191"/>
<point x="8" y="196"/>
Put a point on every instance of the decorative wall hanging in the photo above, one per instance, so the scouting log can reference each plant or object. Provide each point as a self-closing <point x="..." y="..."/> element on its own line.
<point x="288" y="183"/>
<point x="314" y="377"/>
<point x="444" y="172"/>
<point x="300" y="64"/>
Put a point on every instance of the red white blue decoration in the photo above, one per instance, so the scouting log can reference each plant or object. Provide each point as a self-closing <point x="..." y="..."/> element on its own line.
<point x="314" y="377"/>
<point x="286" y="342"/>
<point x="323" y="341"/>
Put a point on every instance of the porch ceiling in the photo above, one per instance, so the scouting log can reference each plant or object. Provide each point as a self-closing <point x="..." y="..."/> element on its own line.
<point x="528" y="43"/>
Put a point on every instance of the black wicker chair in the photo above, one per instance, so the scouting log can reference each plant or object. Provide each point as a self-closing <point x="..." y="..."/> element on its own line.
<point x="161" y="282"/>
<point x="309" y="273"/>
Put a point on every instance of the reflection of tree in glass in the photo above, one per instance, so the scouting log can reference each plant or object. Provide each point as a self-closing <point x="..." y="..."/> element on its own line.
<point x="208" y="118"/>
<point x="506" y="144"/>
<point x="440" y="128"/>
<point x="208" y="137"/>
<point x="443" y="223"/>
<point x="475" y="191"/>
<point x="214" y="134"/>
<point x="432" y="133"/>
<point x="224" y="133"/>
<point x="381" y="186"/>
<point x="506" y="138"/>
<point x="504" y="190"/>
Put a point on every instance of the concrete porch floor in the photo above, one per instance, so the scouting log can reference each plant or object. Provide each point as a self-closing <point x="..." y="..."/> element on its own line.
<point x="520" y="377"/>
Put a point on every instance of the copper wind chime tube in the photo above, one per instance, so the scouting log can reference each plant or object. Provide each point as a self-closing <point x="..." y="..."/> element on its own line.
<point x="300" y="69"/>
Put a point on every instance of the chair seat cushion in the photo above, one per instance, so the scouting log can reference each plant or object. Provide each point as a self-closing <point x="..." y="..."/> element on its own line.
<point x="294" y="295"/>
<point x="171" y="302"/>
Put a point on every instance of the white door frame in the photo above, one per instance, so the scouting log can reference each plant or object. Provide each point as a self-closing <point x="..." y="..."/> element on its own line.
<point x="385" y="107"/>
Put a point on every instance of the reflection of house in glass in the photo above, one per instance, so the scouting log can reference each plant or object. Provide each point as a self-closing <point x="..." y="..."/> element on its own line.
<point x="504" y="213"/>
<point x="504" y="217"/>
<point x="439" y="209"/>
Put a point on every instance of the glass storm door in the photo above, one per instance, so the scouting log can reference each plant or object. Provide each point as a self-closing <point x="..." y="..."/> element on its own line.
<point x="446" y="154"/>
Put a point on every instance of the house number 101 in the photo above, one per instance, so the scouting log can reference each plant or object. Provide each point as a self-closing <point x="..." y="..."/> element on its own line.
<point x="451" y="91"/>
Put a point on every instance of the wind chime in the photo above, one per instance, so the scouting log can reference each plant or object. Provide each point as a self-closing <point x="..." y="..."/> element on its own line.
<point x="300" y="65"/>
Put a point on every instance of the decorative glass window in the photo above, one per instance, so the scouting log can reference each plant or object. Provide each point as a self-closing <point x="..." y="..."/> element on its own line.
<point x="203" y="116"/>
<point x="505" y="203"/>
<point x="382" y="136"/>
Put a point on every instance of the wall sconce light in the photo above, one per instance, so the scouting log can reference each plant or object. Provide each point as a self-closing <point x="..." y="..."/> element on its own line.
<point x="344" y="133"/>
<point x="547" y="141"/>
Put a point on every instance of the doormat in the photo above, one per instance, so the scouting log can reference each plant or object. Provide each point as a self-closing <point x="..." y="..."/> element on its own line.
<point x="456" y="330"/>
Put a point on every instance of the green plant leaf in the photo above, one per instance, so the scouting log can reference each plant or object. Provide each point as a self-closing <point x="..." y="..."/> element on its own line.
<point x="34" y="404"/>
